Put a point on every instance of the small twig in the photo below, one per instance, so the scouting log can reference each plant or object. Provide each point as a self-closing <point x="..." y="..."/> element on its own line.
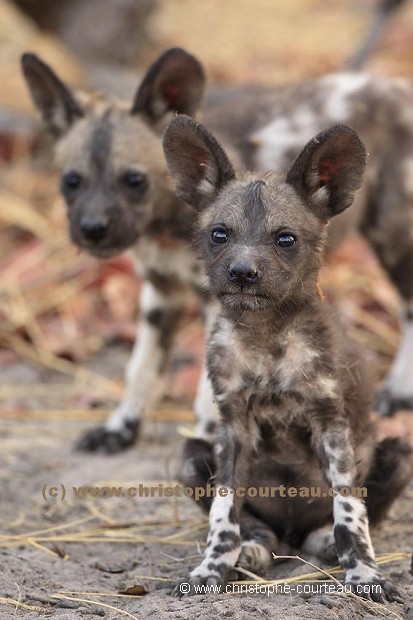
<point x="98" y="603"/>
<point x="20" y="605"/>
<point x="248" y="573"/>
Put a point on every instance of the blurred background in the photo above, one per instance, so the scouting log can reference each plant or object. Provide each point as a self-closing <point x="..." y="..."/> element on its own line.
<point x="68" y="320"/>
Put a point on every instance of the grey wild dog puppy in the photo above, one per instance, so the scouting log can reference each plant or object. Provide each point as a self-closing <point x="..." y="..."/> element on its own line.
<point x="269" y="129"/>
<point x="291" y="389"/>
<point x="115" y="184"/>
<point x="118" y="195"/>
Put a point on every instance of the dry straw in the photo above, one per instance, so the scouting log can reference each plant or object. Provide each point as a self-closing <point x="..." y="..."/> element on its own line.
<point x="99" y="528"/>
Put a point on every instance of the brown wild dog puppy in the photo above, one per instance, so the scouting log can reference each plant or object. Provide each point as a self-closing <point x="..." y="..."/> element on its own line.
<point x="292" y="393"/>
<point x="118" y="197"/>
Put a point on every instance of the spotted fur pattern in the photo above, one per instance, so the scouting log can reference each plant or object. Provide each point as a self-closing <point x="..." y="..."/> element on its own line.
<point x="292" y="390"/>
<point x="125" y="201"/>
<point x="118" y="198"/>
<point x="269" y="130"/>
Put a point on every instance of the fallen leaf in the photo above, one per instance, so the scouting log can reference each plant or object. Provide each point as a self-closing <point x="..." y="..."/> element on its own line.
<point x="135" y="590"/>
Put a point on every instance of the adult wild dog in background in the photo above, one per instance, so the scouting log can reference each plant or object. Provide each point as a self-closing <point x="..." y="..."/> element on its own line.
<point x="114" y="181"/>
<point x="291" y="390"/>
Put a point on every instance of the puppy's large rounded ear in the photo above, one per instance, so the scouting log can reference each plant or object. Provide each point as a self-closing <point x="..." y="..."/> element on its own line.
<point x="329" y="170"/>
<point x="53" y="99"/>
<point x="174" y="83"/>
<point x="196" y="162"/>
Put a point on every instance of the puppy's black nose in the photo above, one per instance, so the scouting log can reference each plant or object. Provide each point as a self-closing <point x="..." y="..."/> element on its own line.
<point x="242" y="274"/>
<point x="94" y="230"/>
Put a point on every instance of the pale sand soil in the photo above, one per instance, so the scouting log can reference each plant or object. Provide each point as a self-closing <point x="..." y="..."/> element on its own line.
<point x="239" y="41"/>
<point x="37" y="452"/>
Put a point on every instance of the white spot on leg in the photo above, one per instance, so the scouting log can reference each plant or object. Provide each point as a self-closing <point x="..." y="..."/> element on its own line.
<point x="354" y="507"/>
<point x="340" y="459"/>
<point x="364" y="573"/>
<point x="144" y="384"/>
<point x="219" y="524"/>
<point x="144" y="381"/>
<point x="206" y="409"/>
<point x="349" y="511"/>
<point x="221" y="508"/>
<point x="126" y="412"/>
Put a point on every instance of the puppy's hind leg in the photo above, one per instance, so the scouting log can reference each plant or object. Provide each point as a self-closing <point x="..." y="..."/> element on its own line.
<point x="198" y="469"/>
<point x="258" y="542"/>
<point x="391" y="471"/>
<point x="321" y="543"/>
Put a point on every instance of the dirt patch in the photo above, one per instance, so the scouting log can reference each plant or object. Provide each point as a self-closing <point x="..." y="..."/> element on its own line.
<point x="110" y="544"/>
<point x="63" y="303"/>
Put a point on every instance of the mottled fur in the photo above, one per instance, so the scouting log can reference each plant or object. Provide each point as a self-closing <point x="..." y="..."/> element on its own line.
<point x="119" y="197"/>
<point x="291" y="389"/>
<point x="269" y="129"/>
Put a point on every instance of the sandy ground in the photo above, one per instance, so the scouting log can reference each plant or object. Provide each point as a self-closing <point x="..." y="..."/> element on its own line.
<point x="111" y="544"/>
<point x="163" y="536"/>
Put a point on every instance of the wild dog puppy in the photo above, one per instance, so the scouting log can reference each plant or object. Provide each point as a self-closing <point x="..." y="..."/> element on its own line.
<point x="115" y="184"/>
<point x="269" y="129"/>
<point x="291" y="390"/>
<point x="118" y="195"/>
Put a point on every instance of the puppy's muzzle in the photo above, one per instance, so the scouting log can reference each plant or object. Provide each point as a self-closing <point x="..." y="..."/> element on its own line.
<point x="242" y="274"/>
<point x="94" y="230"/>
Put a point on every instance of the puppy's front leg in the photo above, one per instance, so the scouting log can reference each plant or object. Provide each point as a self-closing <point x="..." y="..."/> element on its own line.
<point x="234" y="453"/>
<point x="146" y="372"/>
<point x="351" y="528"/>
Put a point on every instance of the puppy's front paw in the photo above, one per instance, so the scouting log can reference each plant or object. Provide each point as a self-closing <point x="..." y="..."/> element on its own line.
<point x="100" y="439"/>
<point x="378" y="589"/>
<point x="209" y="583"/>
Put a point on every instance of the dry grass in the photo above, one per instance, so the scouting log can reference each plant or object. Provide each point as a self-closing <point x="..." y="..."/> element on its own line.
<point x="57" y="306"/>
<point x="91" y="529"/>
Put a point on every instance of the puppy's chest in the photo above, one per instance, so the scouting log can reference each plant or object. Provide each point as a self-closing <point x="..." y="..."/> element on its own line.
<point x="166" y="260"/>
<point x="280" y="372"/>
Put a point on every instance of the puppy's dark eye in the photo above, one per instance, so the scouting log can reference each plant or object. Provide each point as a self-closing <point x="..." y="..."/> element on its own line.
<point x="285" y="240"/>
<point x="219" y="235"/>
<point x="134" y="179"/>
<point x="71" y="181"/>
